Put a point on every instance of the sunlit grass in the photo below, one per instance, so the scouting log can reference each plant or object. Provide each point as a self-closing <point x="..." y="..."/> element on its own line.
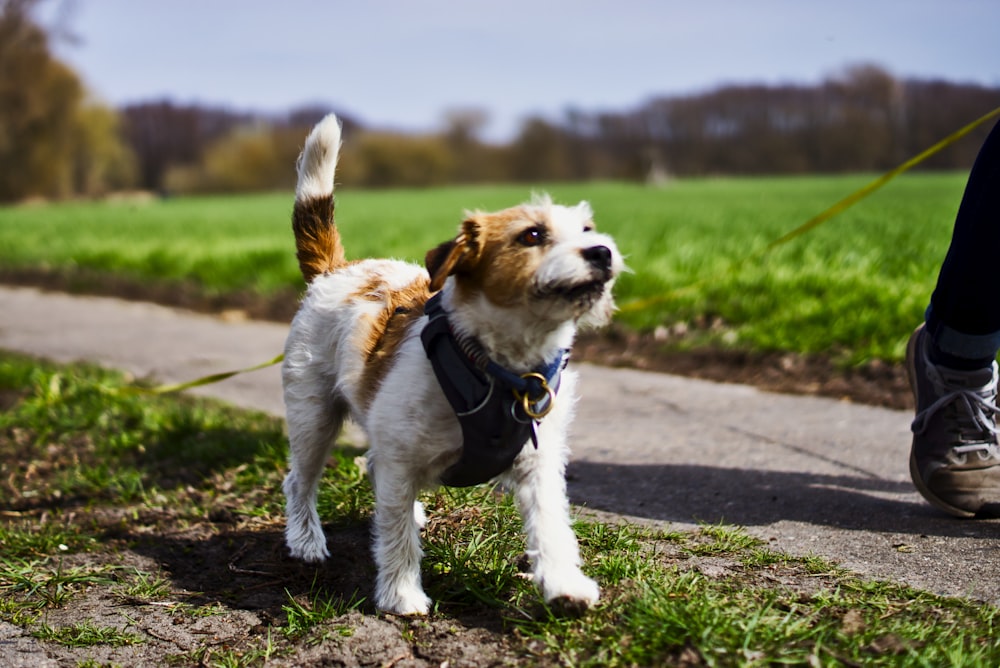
<point x="853" y="287"/>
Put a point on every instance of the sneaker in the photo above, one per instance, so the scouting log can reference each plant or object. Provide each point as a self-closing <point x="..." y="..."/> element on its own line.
<point x="954" y="460"/>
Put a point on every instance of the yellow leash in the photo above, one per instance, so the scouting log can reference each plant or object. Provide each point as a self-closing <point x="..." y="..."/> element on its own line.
<point x="204" y="380"/>
<point x="867" y="190"/>
<point x="822" y="217"/>
<point x="639" y="304"/>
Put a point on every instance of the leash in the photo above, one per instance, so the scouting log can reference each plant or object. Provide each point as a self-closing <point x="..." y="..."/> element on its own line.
<point x="204" y="380"/>
<point x="639" y="304"/>
<point x="820" y="218"/>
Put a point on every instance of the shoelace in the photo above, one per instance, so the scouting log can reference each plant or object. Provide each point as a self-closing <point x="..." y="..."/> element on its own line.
<point x="980" y="418"/>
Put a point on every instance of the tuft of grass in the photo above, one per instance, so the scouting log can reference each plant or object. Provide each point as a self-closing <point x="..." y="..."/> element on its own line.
<point x="721" y="539"/>
<point x="618" y="552"/>
<point x="86" y="634"/>
<point x="141" y="587"/>
<point x="25" y="537"/>
<point x="17" y="612"/>
<point x="303" y="616"/>
<point x="206" y="610"/>
<point x="40" y="583"/>
<point x="226" y="657"/>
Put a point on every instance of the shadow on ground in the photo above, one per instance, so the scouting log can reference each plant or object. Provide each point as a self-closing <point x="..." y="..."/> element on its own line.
<point x="692" y="493"/>
<point x="251" y="569"/>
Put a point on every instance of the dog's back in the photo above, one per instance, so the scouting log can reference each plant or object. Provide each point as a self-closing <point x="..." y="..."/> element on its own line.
<point x="354" y="314"/>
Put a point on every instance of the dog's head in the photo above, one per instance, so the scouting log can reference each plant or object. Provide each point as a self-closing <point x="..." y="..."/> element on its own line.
<point x="540" y="256"/>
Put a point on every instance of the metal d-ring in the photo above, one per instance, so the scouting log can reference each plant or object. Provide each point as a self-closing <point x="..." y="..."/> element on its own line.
<point x="526" y="401"/>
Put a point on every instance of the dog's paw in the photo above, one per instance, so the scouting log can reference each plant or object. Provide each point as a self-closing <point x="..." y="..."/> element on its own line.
<point x="571" y="591"/>
<point x="310" y="554"/>
<point x="404" y="601"/>
<point x="307" y="546"/>
<point x="563" y="606"/>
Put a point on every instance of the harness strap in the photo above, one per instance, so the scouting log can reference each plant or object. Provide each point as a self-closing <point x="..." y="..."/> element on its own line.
<point x="489" y="401"/>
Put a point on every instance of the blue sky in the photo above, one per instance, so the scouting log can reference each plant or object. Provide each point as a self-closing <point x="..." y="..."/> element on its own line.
<point x="402" y="65"/>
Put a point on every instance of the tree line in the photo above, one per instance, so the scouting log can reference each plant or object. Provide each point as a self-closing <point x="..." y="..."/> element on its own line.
<point x="56" y="141"/>
<point x="863" y="119"/>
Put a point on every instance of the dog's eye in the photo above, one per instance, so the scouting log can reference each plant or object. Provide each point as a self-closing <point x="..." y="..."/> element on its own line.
<point x="588" y="228"/>
<point x="533" y="236"/>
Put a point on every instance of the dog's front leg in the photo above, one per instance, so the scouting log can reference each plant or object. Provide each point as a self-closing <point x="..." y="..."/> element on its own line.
<point x="539" y="486"/>
<point x="396" y="539"/>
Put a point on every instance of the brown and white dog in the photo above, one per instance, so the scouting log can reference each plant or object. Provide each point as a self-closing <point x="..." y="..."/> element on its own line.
<point x="518" y="283"/>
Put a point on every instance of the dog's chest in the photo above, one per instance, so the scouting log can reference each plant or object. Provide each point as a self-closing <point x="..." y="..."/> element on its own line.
<point x="497" y="410"/>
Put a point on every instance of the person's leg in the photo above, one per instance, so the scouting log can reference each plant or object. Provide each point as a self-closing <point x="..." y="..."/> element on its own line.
<point x="963" y="319"/>
<point x="954" y="459"/>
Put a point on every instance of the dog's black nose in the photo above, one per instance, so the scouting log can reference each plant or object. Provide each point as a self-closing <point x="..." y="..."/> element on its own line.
<point x="598" y="256"/>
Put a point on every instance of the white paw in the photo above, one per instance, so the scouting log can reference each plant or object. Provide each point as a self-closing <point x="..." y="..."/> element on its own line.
<point x="570" y="587"/>
<point x="419" y="516"/>
<point x="307" y="545"/>
<point x="403" y="601"/>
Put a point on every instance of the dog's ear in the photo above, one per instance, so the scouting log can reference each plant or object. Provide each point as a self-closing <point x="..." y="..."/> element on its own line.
<point x="457" y="256"/>
<point x="440" y="261"/>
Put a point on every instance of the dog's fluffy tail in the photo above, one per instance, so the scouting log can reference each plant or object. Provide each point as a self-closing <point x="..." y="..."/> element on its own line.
<point x="317" y="241"/>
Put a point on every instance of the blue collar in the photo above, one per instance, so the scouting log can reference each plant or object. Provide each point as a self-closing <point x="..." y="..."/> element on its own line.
<point x="496" y="408"/>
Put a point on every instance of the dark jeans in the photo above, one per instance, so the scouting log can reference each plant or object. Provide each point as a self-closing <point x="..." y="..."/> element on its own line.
<point x="963" y="318"/>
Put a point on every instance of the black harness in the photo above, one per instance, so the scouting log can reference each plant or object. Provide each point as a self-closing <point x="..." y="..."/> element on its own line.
<point x="496" y="408"/>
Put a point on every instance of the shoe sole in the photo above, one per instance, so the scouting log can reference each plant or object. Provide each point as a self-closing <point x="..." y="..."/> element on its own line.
<point x="918" y="482"/>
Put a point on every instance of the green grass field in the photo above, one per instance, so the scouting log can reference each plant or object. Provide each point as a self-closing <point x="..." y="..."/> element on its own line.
<point x="852" y="289"/>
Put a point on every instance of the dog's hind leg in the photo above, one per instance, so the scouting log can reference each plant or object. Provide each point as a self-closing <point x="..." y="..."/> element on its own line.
<point x="313" y="425"/>
<point x="396" y="546"/>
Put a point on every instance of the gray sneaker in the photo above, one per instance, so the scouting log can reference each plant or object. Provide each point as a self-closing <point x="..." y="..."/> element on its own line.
<point x="954" y="460"/>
